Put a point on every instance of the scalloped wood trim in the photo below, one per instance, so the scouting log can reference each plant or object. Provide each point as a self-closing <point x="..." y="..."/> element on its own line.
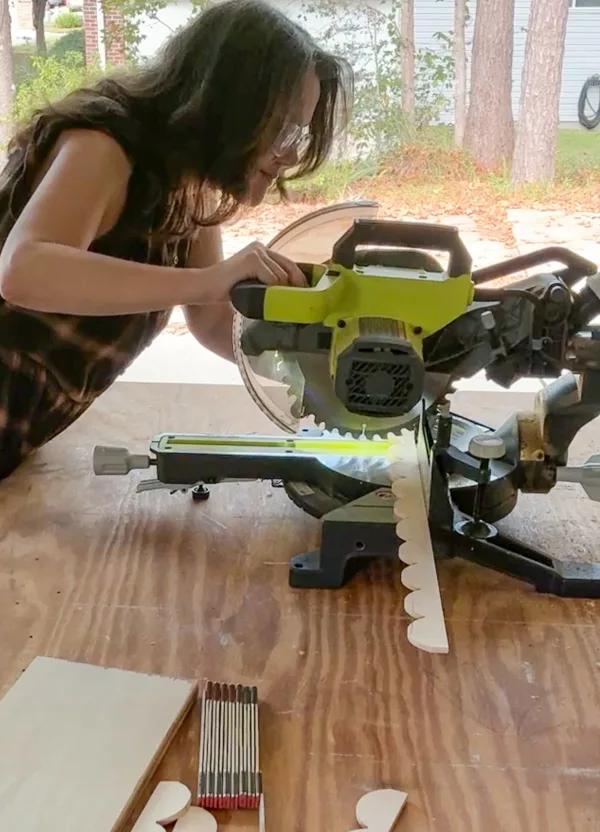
<point x="196" y="819"/>
<point x="378" y="811"/>
<point x="170" y="802"/>
<point x="423" y="602"/>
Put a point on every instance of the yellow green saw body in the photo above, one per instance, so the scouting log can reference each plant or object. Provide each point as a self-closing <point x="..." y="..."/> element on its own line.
<point x="349" y="345"/>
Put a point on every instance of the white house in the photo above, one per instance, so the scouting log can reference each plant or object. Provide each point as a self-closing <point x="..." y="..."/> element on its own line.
<point x="582" y="48"/>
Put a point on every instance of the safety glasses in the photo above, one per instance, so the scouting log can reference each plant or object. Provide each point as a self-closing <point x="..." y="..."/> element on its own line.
<point x="292" y="135"/>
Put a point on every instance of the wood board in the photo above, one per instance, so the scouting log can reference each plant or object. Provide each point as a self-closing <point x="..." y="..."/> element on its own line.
<point x="79" y="742"/>
<point x="502" y="733"/>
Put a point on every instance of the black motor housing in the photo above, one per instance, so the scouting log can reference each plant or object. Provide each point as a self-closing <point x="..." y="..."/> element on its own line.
<point x="379" y="373"/>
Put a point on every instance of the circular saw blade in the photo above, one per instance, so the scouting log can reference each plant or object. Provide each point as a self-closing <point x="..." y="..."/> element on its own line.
<point x="272" y="381"/>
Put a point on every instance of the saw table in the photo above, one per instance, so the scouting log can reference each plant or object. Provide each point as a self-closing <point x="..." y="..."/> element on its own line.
<point x="502" y="733"/>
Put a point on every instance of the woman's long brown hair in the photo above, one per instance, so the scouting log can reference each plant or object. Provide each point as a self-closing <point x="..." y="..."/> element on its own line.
<point x="199" y="115"/>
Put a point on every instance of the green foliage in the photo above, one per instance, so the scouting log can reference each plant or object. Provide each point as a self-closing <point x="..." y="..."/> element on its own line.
<point x="67" y="20"/>
<point x="434" y="79"/>
<point x="74" y="41"/>
<point x="366" y="33"/>
<point x="368" y="36"/>
<point x="338" y="179"/>
<point x="53" y="78"/>
<point x="134" y="13"/>
<point x="23" y="54"/>
<point x="201" y="5"/>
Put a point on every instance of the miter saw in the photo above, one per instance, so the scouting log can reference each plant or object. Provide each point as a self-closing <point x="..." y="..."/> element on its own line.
<point x="392" y="316"/>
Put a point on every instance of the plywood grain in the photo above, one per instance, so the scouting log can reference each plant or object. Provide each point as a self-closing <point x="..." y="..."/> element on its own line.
<point x="503" y="733"/>
<point x="79" y="742"/>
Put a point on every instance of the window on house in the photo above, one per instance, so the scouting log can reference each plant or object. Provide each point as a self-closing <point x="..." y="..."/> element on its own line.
<point x="585" y="4"/>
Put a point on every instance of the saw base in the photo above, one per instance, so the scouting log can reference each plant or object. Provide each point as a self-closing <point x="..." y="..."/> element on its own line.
<point x="507" y="555"/>
<point x="363" y="531"/>
<point x="345" y="484"/>
<point x="352" y="537"/>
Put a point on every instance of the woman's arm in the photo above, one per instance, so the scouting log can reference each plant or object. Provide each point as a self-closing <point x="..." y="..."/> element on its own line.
<point x="45" y="264"/>
<point x="210" y="325"/>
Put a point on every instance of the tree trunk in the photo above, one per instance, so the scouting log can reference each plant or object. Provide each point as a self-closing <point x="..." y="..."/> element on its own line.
<point x="6" y="78"/>
<point x="407" y="38"/>
<point x="537" y="124"/>
<point x="38" y="14"/>
<point x="489" y="131"/>
<point x="460" y="71"/>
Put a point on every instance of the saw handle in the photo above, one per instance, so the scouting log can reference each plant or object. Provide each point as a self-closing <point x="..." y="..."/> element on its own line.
<point x="575" y="265"/>
<point x="248" y="298"/>
<point x="403" y="235"/>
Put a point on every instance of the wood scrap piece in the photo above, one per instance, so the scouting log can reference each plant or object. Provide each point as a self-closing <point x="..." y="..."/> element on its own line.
<point x="378" y="811"/>
<point x="168" y="802"/>
<point x="423" y="603"/>
<point x="196" y="819"/>
<point x="79" y="742"/>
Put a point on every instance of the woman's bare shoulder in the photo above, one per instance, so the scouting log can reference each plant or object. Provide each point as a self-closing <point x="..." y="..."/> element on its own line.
<point x="78" y="194"/>
<point x="82" y="146"/>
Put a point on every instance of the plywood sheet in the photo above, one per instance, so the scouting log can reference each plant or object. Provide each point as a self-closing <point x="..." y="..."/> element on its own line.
<point x="78" y="742"/>
<point x="502" y="733"/>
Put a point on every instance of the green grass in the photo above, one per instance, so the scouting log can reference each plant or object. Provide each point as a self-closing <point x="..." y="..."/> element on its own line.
<point x="578" y="149"/>
<point x="435" y="160"/>
<point x="336" y="179"/>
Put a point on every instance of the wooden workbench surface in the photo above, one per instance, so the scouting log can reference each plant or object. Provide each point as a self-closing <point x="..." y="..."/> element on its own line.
<point x="501" y="735"/>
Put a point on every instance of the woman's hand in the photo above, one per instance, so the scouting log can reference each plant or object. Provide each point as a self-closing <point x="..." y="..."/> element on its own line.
<point x="255" y="261"/>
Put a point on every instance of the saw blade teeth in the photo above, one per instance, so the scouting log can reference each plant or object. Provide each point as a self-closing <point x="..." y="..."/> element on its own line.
<point x="365" y="434"/>
<point x="295" y="400"/>
<point x="347" y="433"/>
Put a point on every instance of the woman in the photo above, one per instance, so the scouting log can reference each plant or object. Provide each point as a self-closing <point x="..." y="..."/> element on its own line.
<point x="112" y="199"/>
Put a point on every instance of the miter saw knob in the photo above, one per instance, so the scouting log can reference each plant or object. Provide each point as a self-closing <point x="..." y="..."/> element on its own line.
<point x="484" y="447"/>
<point x="110" y="461"/>
<point x="488" y="321"/>
<point x="487" y="447"/>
